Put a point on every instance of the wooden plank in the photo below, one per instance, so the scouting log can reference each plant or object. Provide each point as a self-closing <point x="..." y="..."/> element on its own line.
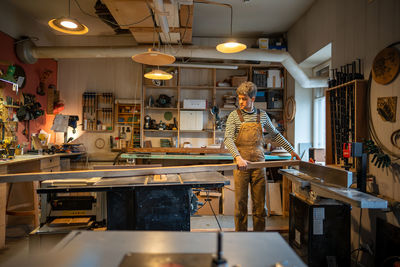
<point x="41" y="176"/>
<point x="275" y="198"/>
<point x="178" y="150"/>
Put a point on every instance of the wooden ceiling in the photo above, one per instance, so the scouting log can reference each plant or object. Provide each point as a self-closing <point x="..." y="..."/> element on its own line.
<point x="127" y="12"/>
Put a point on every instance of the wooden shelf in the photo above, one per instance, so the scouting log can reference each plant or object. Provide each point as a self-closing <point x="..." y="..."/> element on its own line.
<point x="168" y="131"/>
<point x="160" y="87"/>
<point x="225" y="88"/>
<point x="134" y="136"/>
<point x="193" y="109"/>
<point x="196" y="131"/>
<point x="131" y="123"/>
<point x="151" y="108"/>
<point x="200" y="87"/>
<point x="202" y="84"/>
<point x="270" y="88"/>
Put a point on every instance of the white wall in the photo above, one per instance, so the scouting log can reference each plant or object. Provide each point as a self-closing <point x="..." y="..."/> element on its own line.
<point x="304" y="116"/>
<point x="357" y="29"/>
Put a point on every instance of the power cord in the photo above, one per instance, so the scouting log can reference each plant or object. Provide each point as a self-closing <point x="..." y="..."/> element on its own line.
<point x="207" y="199"/>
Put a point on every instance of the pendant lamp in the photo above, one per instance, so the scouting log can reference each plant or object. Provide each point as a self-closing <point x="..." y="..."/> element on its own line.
<point x="153" y="57"/>
<point x="158" y="74"/>
<point x="231" y="46"/>
<point x="67" y="24"/>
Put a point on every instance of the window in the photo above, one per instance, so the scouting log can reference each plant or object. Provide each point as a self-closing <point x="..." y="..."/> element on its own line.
<point x="321" y="70"/>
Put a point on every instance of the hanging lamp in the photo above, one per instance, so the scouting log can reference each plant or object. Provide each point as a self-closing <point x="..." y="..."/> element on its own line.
<point x="153" y="57"/>
<point x="158" y="74"/>
<point x="67" y="24"/>
<point x="231" y="46"/>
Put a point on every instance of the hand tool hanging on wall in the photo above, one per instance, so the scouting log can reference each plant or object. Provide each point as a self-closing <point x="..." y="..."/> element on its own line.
<point x="342" y="108"/>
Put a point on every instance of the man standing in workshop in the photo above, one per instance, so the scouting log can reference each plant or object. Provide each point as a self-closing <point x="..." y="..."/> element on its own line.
<point x="244" y="139"/>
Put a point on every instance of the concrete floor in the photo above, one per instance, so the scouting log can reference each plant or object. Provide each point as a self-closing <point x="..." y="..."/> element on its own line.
<point x="17" y="243"/>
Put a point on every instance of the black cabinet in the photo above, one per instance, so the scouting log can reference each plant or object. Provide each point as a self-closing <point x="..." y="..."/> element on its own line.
<point x="320" y="233"/>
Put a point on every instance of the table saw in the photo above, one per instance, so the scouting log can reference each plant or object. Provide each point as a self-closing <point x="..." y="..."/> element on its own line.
<point x="145" y="202"/>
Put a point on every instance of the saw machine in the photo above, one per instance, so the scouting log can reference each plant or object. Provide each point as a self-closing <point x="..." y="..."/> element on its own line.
<point x="320" y="213"/>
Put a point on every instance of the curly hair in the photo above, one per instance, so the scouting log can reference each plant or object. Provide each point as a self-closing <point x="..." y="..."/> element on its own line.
<point x="247" y="88"/>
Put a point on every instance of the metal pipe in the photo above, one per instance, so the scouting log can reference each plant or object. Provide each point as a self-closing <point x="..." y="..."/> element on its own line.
<point x="29" y="54"/>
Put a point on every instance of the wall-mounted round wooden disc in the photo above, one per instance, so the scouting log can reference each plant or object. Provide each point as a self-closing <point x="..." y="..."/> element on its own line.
<point x="386" y="65"/>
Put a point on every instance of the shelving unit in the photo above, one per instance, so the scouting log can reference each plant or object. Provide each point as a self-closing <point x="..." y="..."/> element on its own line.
<point x="360" y="127"/>
<point x="199" y="83"/>
<point x="128" y="121"/>
<point x="98" y="112"/>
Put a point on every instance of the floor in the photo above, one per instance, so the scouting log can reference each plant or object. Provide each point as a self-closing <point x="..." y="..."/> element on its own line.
<point x="17" y="243"/>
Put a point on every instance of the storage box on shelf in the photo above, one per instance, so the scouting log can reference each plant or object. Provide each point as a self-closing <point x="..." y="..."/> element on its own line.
<point x="98" y="111"/>
<point x="128" y="120"/>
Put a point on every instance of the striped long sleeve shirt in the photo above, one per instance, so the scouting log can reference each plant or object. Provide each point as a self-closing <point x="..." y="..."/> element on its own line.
<point x="233" y="125"/>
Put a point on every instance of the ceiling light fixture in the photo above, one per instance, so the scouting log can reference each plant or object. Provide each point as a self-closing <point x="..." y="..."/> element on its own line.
<point x="231" y="46"/>
<point x="153" y="57"/>
<point x="158" y="74"/>
<point x="67" y="24"/>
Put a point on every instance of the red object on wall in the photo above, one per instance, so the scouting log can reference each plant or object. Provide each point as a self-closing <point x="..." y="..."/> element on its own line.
<point x="32" y="72"/>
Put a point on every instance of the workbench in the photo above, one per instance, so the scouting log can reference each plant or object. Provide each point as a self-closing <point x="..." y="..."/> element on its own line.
<point x="88" y="248"/>
<point x="146" y="202"/>
<point x="25" y="193"/>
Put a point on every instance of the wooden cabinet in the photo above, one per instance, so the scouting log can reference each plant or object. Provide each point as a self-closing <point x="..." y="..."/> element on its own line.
<point x="177" y="111"/>
<point x="98" y="112"/>
<point x="128" y="121"/>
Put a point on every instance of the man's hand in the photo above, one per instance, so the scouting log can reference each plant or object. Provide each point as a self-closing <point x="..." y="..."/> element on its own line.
<point x="242" y="164"/>
<point x="294" y="156"/>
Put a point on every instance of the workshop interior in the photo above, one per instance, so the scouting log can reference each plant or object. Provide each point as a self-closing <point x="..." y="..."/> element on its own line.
<point x="114" y="117"/>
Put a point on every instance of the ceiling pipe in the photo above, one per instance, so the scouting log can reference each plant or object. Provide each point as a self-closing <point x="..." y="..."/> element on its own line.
<point x="29" y="53"/>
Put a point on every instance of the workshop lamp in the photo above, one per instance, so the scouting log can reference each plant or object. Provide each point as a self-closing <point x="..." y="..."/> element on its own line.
<point x="158" y="75"/>
<point x="153" y="57"/>
<point x="67" y="24"/>
<point x="231" y="46"/>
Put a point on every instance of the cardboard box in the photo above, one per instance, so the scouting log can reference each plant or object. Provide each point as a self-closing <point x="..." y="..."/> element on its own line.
<point x="237" y="80"/>
<point x="191" y="120"/>
<point x="211" y="201"/>
<point x="195" y="103"/>
<point x="317" y="154"/>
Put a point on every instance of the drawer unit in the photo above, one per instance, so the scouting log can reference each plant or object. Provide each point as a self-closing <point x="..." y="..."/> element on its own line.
<point x="49" y="162"/>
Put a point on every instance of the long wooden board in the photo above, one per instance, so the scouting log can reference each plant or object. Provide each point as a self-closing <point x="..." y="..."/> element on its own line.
<point x="178" y="150"/>
<point x="41" y="176"/>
